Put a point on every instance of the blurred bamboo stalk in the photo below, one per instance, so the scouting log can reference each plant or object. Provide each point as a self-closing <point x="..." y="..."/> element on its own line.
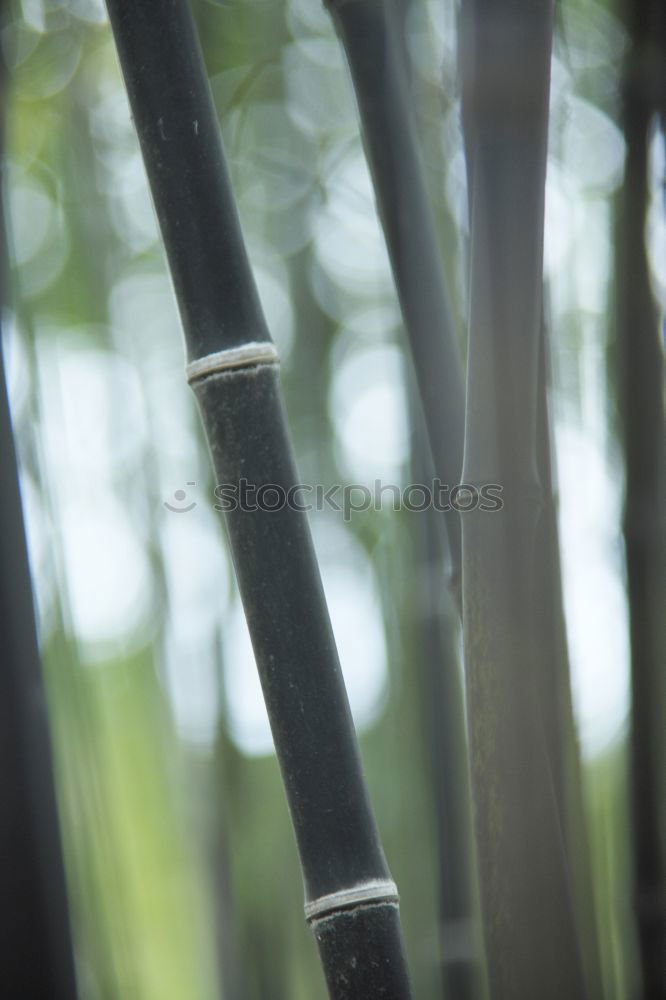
<point x="443" y="712"/>
<point x="351" y="902"/>
<point x="557" y="711"/>
<point x="529" y="927"/>
<point x="36" y="952"/>
<point x="641" y="389"/>
<point x="36" y="955"/>
<point x="378" y="72"/>
<point x="556" y="704"/>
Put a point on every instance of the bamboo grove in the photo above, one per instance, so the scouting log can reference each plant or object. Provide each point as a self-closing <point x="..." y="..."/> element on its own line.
<point x="515" y="853"/>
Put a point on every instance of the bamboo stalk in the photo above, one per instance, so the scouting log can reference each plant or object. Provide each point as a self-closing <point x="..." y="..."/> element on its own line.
<point x="36" y="955"/>
<point x="378" y="72"/>
<point x="437" y="628"/>
<point x="351" y="902"/>
<point x="529" y="929"/>
<point x="557" y="710"/>
<point x="36" y="952"/>
<point x="641" y="378"/>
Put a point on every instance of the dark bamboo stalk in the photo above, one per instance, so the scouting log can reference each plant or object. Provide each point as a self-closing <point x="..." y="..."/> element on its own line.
<point x="378" y="73"/>
<point x="641" y="385"/>
<point x="36" y="953"/>
<point x="351" y="901"/>
<point x="529" y="929"/>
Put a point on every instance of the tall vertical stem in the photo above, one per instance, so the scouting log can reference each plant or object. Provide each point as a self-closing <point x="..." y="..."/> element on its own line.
<point x="529" y="930"/>
<point x="351" y="902"/>
<point x="557" y="710"/>
<point x="389" y="135"/>
<point x="36" y="954"/>
<point x="641" y="377"/>
<point x="379" y="71"/>
<point x="444" y="721"/>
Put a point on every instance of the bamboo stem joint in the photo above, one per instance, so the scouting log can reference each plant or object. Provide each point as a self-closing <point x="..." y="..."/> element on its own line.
<point x="374" y="893"/>
<point x="245" y="356"/>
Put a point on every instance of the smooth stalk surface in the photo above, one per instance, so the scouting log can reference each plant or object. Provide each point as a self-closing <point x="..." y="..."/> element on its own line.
<point x="444" y="720"/>
<point x="557" y="711"/>
<point x="359" y="940"/>
<point x="389" y="134"/>
<point x="377" y="62"/>
<point x="36" y="957"/>
<point x="529" y="929"/>
<point x="641" y="378"/>
<point x="36" y="952"/>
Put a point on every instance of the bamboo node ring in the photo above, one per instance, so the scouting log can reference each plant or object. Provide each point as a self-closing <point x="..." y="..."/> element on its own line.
<point x="246" y="356"/>
<point x="365" y="894"/>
